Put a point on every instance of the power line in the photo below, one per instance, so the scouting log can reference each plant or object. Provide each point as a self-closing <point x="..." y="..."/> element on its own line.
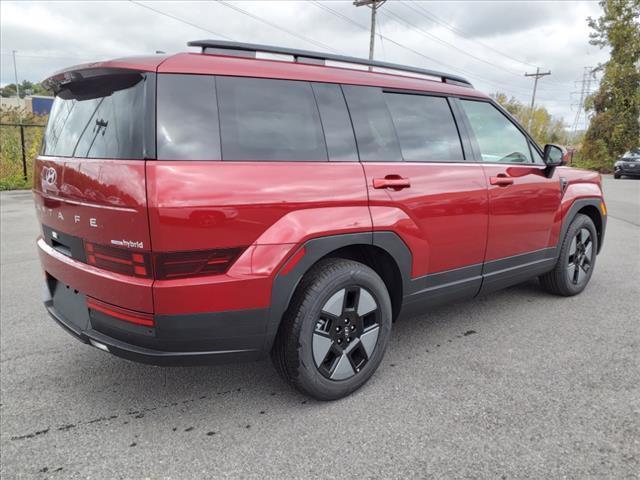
<point x="182" y="20"/>
<point x="447" y="44"/>
<point x="459" y="32"/>
<point x="278" y="27"/>
<point x="388" y="39"/>
<point x="384" y="51"/>
<point x="405" y="47"/>
<point x="467" y="36"/>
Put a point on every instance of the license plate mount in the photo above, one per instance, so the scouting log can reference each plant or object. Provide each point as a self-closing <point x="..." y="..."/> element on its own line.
<point x="71" y="305"/>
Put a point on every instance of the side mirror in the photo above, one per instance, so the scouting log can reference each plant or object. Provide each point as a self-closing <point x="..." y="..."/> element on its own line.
<point x="555" y="155"/>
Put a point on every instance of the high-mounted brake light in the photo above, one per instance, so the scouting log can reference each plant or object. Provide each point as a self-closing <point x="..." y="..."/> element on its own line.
<point x="118" y="260"/>
<point x="194" y="263"/>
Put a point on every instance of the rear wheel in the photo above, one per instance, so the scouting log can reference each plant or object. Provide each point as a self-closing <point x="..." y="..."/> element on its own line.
<point x="576" y="261"/>
<point x="335" y="331"/>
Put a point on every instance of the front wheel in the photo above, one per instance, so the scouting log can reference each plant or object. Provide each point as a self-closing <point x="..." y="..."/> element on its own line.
<point x="576" y="261"/>
<point x="616" y="176"/>
<point x="335" y="331"/>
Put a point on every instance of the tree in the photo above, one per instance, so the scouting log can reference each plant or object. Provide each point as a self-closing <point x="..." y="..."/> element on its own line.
<point x="615" y="126"/>
<point x="544" y="127"/>
<point x="26" y="88"/>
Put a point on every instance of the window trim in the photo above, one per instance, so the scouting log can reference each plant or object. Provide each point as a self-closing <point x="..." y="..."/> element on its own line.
<point x="474" y="141"/>
<point x="353" y="127"/>
<point x="324" y="135"/>
<point x="448" y="99"/>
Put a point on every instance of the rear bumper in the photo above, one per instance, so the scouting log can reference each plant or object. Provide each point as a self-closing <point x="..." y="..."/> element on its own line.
<point x="202" y="339"/>
<point x="229" y="335"/>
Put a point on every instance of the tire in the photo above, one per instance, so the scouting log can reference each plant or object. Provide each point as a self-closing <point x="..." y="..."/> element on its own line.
<point x="332" y="337"/>
<point x="576" y="261"/>
<point x="616" y="176"/>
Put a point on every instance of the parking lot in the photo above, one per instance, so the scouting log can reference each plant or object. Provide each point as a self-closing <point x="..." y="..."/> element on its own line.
<point x="519" y="384"/>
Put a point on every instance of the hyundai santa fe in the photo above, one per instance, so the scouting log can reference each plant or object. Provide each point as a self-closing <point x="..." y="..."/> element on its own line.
<point x="246" y="200"/>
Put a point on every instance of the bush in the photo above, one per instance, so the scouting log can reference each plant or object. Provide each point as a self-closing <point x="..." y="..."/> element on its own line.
<point x="11" y="174"/>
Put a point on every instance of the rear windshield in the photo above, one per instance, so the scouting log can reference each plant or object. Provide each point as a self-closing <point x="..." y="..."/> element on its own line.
<point x="102" y="117"/>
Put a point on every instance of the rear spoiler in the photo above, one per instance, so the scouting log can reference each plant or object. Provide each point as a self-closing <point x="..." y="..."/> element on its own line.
<point x="63" y="79"/>
<point x="86" y="71"/>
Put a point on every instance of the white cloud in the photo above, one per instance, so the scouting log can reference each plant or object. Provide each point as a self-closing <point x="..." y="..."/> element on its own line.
<point x="52" y="35"/>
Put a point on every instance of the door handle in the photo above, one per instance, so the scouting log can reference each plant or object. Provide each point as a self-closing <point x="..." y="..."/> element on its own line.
<point x="395" y="182"/>
<point x="501" y="180"/>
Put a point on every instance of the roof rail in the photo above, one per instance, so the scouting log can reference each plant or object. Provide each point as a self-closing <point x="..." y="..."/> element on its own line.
<point x="223" y="47"/>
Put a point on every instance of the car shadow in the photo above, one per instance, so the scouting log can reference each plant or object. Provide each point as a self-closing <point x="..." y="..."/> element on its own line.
<point x="144" y="386"/>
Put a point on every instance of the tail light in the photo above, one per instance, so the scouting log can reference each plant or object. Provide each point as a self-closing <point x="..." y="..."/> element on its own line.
<point x="166" y="266"/>
<point x="118" y="260"/>
<point x="120" y="313"/>
<point x="194" y="263"/>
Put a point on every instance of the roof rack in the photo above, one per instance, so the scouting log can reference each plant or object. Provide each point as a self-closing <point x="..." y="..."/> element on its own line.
<point x="223" y="47"/>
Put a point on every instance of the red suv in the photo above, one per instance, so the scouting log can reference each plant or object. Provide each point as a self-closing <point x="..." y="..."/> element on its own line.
<point x="224" y="205"/>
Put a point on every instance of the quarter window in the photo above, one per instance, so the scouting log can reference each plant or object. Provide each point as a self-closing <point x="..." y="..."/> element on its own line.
<point x="425" y="127"/>
<point x="498" y="138"/>
<point x="187" y="118"/>
<point x="265" y="119"/>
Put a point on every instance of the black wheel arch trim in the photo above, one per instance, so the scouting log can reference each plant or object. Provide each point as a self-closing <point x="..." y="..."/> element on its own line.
<point x="578" y="205"/>
<point x="285" y="284"/>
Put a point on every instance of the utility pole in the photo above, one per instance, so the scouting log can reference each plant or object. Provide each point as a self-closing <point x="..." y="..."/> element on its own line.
<point x="537" y="75"/>
<point x="15" y="72"/>
<point x="374" y="5"/>
<point x="587" y="76"/>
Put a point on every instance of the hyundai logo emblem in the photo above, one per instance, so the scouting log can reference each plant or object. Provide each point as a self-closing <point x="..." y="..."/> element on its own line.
<point x="49" y="175"/>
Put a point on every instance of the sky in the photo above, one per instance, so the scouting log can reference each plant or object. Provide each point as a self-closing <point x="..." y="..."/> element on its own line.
<point x="493" y="44"/>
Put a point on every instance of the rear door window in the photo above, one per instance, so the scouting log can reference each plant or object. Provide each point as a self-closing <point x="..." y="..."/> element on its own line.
<point x="375" y="133"/>
<point x="426" y="128"/>
<point x="102" y="117"/>
<point x="265" y="119"/>
<point x="187" y="116"/>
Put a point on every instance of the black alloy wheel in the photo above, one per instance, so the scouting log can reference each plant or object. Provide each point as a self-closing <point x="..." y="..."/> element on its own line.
<point x="576" y="259"/>
<point x="580" y="258"/>
<point x="346" y="333"/>
<point x="334" y="334"/>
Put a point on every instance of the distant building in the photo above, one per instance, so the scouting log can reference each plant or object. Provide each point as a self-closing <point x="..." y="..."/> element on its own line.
<point x="38" y="104"/>
<point x="41" y="105"/>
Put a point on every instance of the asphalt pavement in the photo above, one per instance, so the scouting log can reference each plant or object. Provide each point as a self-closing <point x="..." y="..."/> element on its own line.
<point x="519" y="384"/>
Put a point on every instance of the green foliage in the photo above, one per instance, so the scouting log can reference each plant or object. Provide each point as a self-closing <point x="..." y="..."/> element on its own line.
<point x="544" y="128"/>
<point x="11" y="175"/>
<point x="26" y="88"/>
<point x="615" y="126"/>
